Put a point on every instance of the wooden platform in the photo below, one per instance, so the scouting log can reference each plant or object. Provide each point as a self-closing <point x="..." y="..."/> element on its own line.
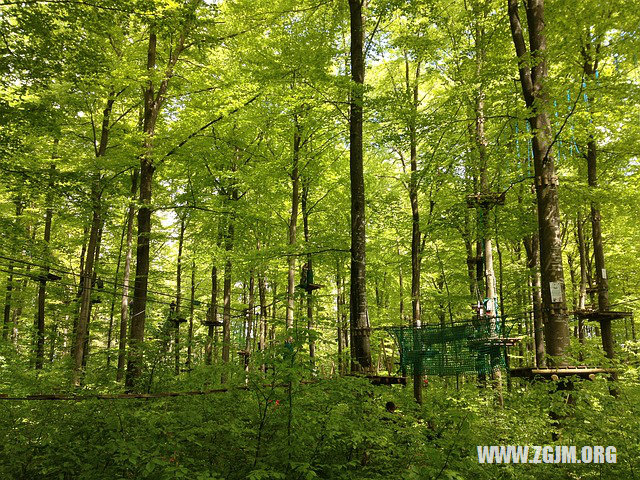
<point x="178" y="320"/>
<point x="385" y="380"/>
<point x="495" y="342"/>
<point x="582" y="371"/>
<point x="597" y="315"/>
<point x="49" y="277"/>
<point x="309" y="287"/>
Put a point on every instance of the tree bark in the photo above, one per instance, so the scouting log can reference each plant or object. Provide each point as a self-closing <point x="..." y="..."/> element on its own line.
<point x="9" y="288"/>
<point x="339" y="319"/>
<point x="226" y="320"/>
<point x="590" y="68"/>
<point x="262" y="298"/>
<point x="124" y="303"/>
<point x="176" y="326"/>
<point x="96" y="287"/>
<point x="191" y="308"/>
<point x="305" y="223"/>
<point x="359" y="320"/>
<point x="78" y="350"/>
<point x="412" y="97"/>
<point x="293" y="222"/>
<point x="112" y="310"/>
<point x="213" y="314"/>
<point x="250" y="319"/>
<point x="153" y="102"/>
<point x="532" y="79"/>
<point x="531" y="245"/>
<point x="42" y="289"/>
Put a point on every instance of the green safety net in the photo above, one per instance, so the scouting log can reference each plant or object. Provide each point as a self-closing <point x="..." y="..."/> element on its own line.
<point x="456" y="348"/>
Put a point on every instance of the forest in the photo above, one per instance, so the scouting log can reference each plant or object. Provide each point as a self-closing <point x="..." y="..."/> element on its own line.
<point x="334" y="239"/>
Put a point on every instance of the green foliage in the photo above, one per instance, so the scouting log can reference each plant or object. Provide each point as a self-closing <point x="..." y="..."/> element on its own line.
<point x="336" y="428"/>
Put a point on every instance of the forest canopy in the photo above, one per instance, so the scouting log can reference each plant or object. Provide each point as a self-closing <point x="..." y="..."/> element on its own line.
<point x="317" y="239"/>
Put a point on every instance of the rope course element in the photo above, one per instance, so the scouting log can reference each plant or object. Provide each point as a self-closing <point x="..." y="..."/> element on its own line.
<point x="139" y="396"/>
<point x="458" y="348"/>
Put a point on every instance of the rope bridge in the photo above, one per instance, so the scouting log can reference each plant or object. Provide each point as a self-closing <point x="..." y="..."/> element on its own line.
<point x="457" y="348"/>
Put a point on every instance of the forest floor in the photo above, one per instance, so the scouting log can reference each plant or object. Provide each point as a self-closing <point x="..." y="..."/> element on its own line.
<point x="330" y="428"/>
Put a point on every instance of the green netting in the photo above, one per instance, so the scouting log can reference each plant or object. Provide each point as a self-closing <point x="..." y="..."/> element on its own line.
<point x="464" y="347"/>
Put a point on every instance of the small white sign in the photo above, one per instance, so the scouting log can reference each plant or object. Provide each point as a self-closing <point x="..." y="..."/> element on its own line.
<point x="489" y="303"/>
<point x="604" y="273"/>
<point x="556" y="291"/>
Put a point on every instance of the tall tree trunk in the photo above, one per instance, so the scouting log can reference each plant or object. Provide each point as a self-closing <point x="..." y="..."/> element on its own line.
<point x="213" y="314"/>
<point x="42" y="289"/>
<point x="274" y="311"/>
<point x="176" y="338"/>
<point x="96" y="287"/>
<point x="153" y="101"/>
<point x="262" y="297"/>
<point x="412" y="97"/>
<point x="305" y="223"/>
<point x="9" y="288"/>
<point x="339" y="320"/>
<point x="191" y="308"/>
<point x="112" y="309"/>
<point x="582" y="298"/>
<point x="293" y="221"/>
<point x="83" y="319"/>
<point x="124" y="302"/>
<point x="533" y="79"/>
<point x="226" y="320"/>
<point x="7" y="302"/>
<point x="590" y="68"/>
<point x="81" y="337"/>
<point x="533" y="263"/>
<point x="359" y="320"/>
<point x="401" y="292"/>
<point x="250" y="319"/>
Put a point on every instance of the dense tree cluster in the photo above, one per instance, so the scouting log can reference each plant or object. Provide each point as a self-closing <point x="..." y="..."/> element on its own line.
<point x="193" y="191"/>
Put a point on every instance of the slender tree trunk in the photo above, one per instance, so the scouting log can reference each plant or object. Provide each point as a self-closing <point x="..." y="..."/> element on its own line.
<point x="226" y="327"/>
<point x="533" y="262"/>
<point x="274" y="312"/>
<point x="293" y="222"/>
<point x="9" y="288"/>
<point x="82" y="350"/>
<point x="96" y="289"/>
<point x="359" y="320"/>
<point x="191" y="308"/>
<point x="339" y="320"/>
<point x="124" y="303"/>
<point x="471" y="266"/>
<point x="602" y="282"/>
<point x="19" y="292"/>
<point x="262" y="298"/>
<point x="532" y="79"/>
<point x="213" y="313"/>
<point x="42" y="289"/>
<point x="582" y="297"/>
<point x="176" y="344"/>
<point x="309" y="296"/>
<point x="153" y="101"/>
<point x="112" y="310"/>
<point x="7" y="302"/>
<point x="78" y="349"/>
<point x="250" y="319"/>
<point x="412" y="97"/>
<point x="401" y="293"/>
<point x="485" y="230"/>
